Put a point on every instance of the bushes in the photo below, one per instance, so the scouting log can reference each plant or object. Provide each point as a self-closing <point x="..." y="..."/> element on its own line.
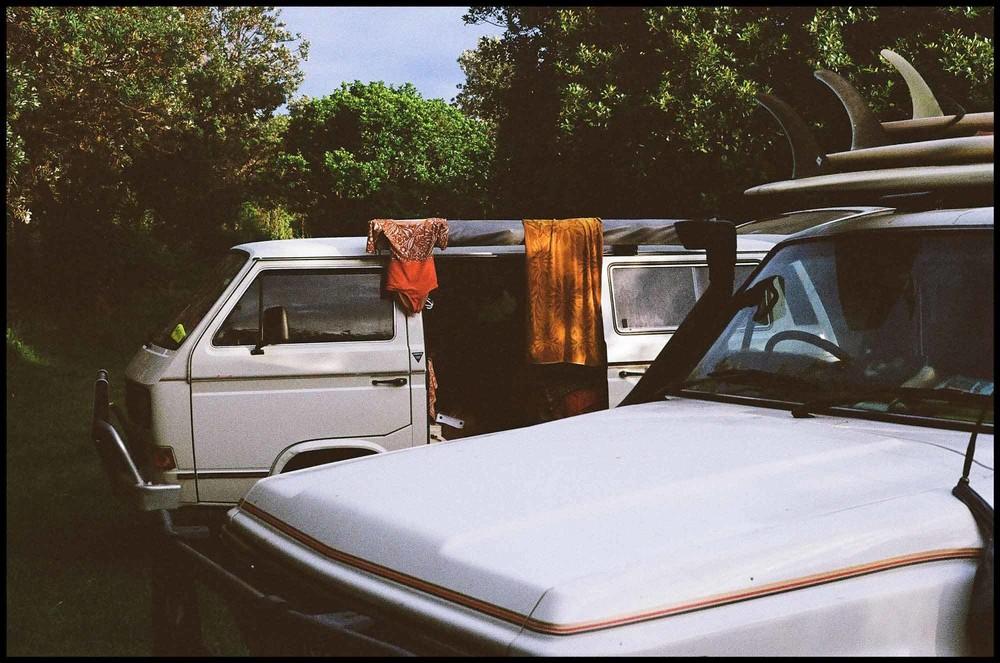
<point x="256" y="222"/>
<point x="133" y="135"/>
<point x="375" y="150"/>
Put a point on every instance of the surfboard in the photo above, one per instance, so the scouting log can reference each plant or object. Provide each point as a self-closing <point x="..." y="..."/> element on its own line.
<point x="925" y="104"/>
<point x="939" y="127"/>
<point x="809" y="161"/>
<point x="867" y="131"/>
<point x="928" y="120"/>
<point x="946" y="151"/>
<point x="886" y="180"/>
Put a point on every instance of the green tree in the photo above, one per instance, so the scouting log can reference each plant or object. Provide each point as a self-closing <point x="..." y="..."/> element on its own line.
<point x="375" y="150"/>
<point x="126" y="120"/>
<point x="651" y="111"/>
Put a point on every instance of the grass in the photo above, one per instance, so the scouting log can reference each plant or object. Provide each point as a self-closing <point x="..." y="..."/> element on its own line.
<point x="77" y="579"/>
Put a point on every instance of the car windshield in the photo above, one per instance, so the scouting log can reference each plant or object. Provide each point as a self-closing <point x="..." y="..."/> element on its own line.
<point x="173" y="334"/>
<point x="894" y="321"/>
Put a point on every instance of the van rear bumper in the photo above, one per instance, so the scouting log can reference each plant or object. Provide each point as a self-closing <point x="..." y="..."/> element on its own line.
<point x="121" y="468"/>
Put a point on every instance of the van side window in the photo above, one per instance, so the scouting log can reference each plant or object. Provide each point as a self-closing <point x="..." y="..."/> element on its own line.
<point x="656" y="298"/>
<point x="322" y="306"/>
<point x="742" y="274"/>
<point x="651" y="298"/>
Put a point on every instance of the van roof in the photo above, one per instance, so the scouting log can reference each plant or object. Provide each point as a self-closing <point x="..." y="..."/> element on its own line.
<point x="354" y="247"/>
<point x="494" y="237"/>
<point x="497" y="237"/>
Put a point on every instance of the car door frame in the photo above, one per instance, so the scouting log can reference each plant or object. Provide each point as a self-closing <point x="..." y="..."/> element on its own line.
<point x="228" y="482"/>
<point x="626" y="350"/>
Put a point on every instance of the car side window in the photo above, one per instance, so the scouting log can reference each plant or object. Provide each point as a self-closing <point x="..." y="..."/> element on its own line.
<point x="321" y="306"/>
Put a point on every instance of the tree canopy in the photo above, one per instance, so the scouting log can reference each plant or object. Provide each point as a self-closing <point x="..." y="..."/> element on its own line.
<point x="375" y="150"/>
<point x="651" y="111"/>
<point x="126" y="118"/>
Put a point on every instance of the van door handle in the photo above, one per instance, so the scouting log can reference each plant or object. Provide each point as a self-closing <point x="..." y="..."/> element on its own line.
<point x="626" y="374"/>
<point x="394" y="382"/>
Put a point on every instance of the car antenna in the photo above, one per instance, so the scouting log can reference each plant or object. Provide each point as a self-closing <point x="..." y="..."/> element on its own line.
<point x="970" y="450"/>
<point x="981" y="510"/>
<point x="979" y="626"/>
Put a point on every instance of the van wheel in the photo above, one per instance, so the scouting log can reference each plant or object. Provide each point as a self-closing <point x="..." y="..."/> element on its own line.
<point x="314" y="458"/>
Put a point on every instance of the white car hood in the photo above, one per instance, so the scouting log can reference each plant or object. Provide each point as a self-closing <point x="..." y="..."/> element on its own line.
<point x="640" y="511"/>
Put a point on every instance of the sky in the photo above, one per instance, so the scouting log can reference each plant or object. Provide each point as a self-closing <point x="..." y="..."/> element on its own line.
<point x="418" y="45"/>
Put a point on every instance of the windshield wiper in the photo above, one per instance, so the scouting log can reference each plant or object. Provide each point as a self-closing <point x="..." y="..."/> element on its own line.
<point x="754" y="377"/>
<point x="951" y="396"/>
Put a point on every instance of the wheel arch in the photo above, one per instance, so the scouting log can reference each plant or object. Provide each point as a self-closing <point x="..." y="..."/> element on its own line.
<point x="341" y="449"/>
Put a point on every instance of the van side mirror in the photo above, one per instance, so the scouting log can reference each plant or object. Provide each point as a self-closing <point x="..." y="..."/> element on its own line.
<point x="275" y="328"/>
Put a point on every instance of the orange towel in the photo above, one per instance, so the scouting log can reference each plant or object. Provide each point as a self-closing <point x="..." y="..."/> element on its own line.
<point x="563" y="266"/>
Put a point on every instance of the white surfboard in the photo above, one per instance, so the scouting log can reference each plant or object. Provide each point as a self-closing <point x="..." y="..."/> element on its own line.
<point x="938" y="127"/>
<point x="946" y="151"/>
<point x="887" y="180"/>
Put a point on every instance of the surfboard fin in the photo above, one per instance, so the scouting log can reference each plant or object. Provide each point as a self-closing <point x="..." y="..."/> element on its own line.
<point x="807" y="158"/>
<point x="925" y="104"/>
<point x="866" y="130"/>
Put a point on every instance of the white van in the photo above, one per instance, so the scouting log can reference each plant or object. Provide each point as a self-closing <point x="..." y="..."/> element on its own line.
<point x="212" y="409"/>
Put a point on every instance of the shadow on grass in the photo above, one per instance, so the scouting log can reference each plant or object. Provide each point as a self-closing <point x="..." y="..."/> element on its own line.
<point x="77" y="573"/>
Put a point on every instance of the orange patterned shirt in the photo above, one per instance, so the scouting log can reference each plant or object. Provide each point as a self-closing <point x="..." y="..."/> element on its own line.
<point x="411" y="239"/>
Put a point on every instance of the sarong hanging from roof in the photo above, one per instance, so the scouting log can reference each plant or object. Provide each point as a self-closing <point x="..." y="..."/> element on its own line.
<point x="563" y="268"/>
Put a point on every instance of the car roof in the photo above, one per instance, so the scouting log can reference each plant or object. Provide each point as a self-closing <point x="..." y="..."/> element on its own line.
<point x="753" y="236"/>
<point x="790" y="223"/>
<point x="884" y="219"/>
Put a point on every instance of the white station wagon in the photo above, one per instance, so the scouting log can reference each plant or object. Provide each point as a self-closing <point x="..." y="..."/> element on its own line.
<point x="779" y="482"/>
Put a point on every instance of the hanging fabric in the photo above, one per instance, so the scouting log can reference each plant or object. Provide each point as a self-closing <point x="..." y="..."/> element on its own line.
<point x="563" y="268"/>
<point x="411" y="273"/>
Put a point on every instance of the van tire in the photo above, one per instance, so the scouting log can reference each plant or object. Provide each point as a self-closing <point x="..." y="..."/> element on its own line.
<point x="322" y="457"/>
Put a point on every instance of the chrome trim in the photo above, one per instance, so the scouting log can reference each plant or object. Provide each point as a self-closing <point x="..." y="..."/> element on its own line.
<point x="222" y="474"/>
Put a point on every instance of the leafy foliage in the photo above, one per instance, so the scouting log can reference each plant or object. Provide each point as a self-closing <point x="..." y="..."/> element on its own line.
<point x="651" y="111"/>
<point x="256" y="222"/>
<point x="133" y="120"/>
<point x="139" y="135"/>
<point x="373" y="150"/>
